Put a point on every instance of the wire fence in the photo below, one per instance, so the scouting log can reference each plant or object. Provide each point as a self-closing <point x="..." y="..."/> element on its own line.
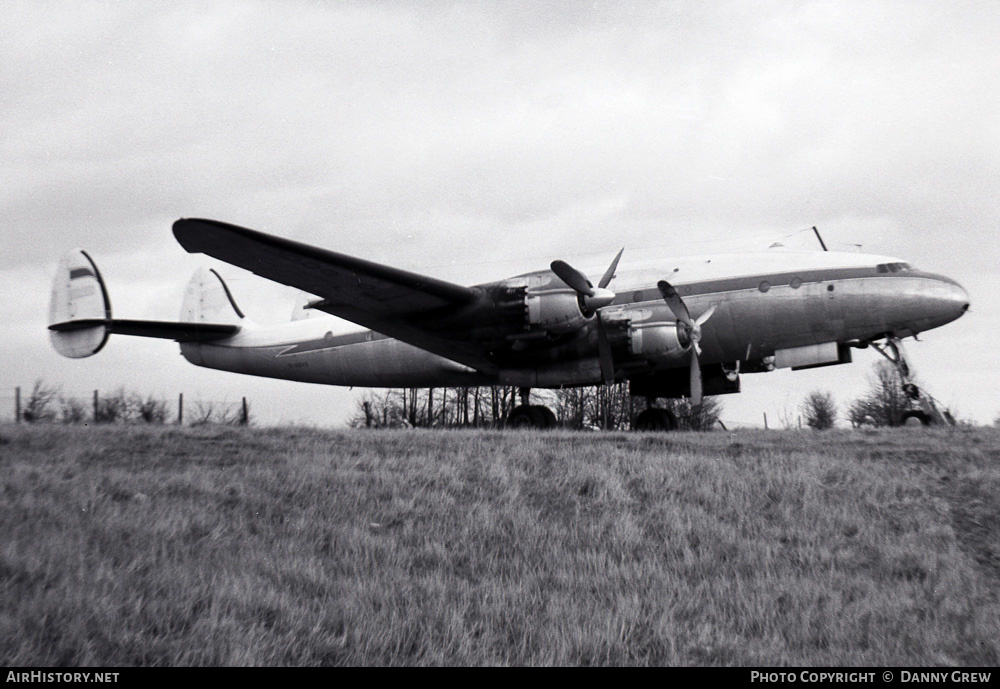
<point x="48" y="404"/>
<point x="43" y="403"/>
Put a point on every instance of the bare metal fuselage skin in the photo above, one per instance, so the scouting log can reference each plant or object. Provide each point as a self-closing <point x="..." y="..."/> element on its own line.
<point x="765" y="303"/>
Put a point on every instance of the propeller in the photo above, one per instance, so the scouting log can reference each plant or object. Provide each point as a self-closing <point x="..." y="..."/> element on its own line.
<point x="593" y="299"/>
<point x="693" y="330"/>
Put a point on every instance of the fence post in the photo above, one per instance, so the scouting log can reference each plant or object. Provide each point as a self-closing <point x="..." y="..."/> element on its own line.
<point x="245" y="419"/>
<point x="96" y="414"/>
<point x="17" y="404"/>
<point x="180" y="409"/>
<point x="765" y="421"/>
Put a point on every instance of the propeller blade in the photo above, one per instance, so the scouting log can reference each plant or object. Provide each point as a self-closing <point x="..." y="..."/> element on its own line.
<point x="604" y="352"/>
<point x="708" y="314"/>
<point x="674" y="301"/>
<point x="696" y="390"/>
<point x="572" y="277"/>
<point x="680" y="311"/>
<point x="610" y="272"/>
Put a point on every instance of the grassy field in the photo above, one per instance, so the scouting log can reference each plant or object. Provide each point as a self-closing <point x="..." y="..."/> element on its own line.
<point x="223" y="546"/>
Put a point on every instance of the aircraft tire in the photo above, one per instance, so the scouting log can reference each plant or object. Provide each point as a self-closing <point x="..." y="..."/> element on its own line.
<point x="523" y="416"/>
<point x="546" y="417"/>
<point x="915" y="414"/>
<point x="654" y="419"/>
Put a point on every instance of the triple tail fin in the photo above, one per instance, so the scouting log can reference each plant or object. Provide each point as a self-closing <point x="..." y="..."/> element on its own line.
<point x="80" y="298"/>
<point x="207" y="299"/>
<point x="80" y="320"/>
<point x="303" y="308"/>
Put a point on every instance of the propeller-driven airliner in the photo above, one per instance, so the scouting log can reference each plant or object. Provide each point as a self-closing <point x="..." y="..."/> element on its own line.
<point x="684" y="327"/>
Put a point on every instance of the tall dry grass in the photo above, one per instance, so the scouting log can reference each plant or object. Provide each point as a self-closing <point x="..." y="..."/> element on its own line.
<point x="222" y="546"/>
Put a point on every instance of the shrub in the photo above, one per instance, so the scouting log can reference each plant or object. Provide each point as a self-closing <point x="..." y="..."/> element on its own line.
<point x="819" y="410"/>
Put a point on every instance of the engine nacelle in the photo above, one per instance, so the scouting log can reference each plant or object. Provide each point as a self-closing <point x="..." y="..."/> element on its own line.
<point x="657" y="340"/>
<point x="556" y="311"/>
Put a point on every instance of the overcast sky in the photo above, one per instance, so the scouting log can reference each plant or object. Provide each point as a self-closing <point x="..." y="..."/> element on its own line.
<point x="474" y="140"/>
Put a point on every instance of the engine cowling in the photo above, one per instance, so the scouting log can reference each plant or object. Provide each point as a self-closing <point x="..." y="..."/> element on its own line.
<point x="555" y="311"/>
<point x="657" y="340"/>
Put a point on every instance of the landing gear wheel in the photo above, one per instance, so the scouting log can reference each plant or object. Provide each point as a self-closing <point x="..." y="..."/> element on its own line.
<point x="547" y="416"/>
<point x="655" y="419"/>
<point x="915" y="417"/>
<point x="531" y="416"/>
<point x="521" y="417"/>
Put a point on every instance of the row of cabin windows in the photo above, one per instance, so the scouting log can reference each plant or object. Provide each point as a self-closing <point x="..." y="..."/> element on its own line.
<point x="892" y="267"/>
<point x="796" y="282"/>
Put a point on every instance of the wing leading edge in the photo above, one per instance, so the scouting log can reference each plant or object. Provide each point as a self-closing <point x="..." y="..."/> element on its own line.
<point x="338" y="278"/>
<point x="395" y="302"/>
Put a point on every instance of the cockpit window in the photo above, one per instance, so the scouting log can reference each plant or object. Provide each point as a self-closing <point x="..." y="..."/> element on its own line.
<point x="882" y="268"/>
<point x="892" y="267"/>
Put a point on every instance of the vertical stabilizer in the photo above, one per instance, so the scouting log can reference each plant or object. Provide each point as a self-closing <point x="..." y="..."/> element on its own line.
<point x="78" y="294"/>
<point x="301" y="310"/>
<point x="207" y="299"/>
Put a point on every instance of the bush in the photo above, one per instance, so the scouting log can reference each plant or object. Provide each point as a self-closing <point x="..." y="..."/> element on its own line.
<point x="40" y="404"/>
<point x="884" y="404"/>
<point x="819" y="410"/>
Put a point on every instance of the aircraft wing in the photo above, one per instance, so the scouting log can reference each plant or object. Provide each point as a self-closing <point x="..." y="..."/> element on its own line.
<point x="394" y="302"/>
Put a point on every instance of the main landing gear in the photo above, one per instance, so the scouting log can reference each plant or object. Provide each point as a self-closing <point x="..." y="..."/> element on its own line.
<point x="655" y="419"/>
<point x="530" y="415"/>
<point x="924" y="409"/>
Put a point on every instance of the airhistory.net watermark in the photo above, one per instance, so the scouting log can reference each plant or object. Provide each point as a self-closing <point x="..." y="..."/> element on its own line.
<point x="74" y="677"/>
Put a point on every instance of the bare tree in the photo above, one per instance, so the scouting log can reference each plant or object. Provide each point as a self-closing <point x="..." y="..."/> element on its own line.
<point x="113" y="407"/>
<point x="885" y="402"/>
<point x="40" y="404"/>
<point x="150" y="409"/>
<point x="235" y="414"/>
<point x="72" y="410"/>
<point x="819" y="410"/>
<point x="203" y="413"/>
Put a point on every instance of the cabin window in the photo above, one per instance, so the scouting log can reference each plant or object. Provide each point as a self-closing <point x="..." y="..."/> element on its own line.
<point x="796" y="282"/>
<point x="764" y="286"/>
<point x="637" y="295"/>
<point x="829" y="288"/>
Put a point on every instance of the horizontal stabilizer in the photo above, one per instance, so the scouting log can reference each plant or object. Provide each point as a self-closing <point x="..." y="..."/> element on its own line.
<point x="80" y="319"/>
<point x="167" y="330"/>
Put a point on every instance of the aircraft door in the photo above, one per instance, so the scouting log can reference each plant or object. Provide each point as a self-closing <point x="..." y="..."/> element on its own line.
<point x="833" y="312"/>
<point x="825" y="314"/>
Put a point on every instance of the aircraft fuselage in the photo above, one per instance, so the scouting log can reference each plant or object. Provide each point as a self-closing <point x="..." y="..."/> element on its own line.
<point x="765" y="305"/>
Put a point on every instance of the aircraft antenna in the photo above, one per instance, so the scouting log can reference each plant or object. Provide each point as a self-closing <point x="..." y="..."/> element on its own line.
<point x="821" y="242"/>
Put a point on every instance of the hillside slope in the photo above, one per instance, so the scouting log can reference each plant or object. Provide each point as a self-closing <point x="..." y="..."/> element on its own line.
<point x="197" y="546"/>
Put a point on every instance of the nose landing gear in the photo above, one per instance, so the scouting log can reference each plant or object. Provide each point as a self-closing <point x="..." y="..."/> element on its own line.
<point x="923" y="407"/>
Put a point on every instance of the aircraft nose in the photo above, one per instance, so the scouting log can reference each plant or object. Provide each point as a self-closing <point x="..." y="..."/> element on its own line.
<point x="952" y="298"/>
<point x="959" y="297"/>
